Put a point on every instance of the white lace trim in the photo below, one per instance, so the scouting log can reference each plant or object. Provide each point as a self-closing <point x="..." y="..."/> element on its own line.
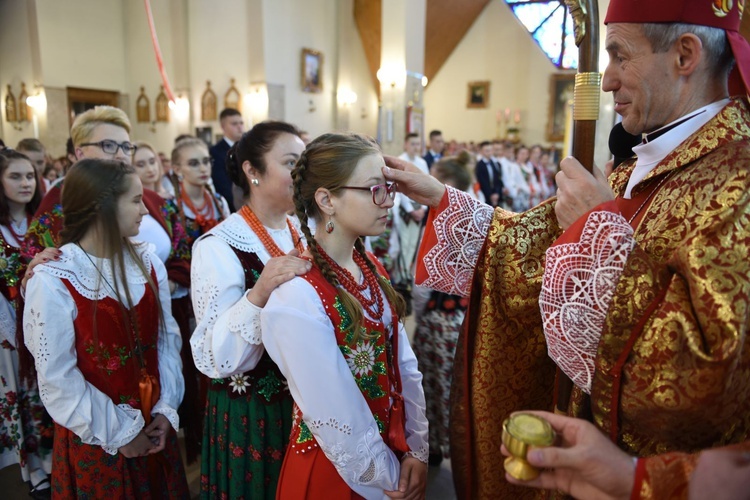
<point x="422" y="454"/>
<point x="112" y="448"/>
<point x="76" y="267"/>
<point x="8" y="323"/>
<point x="333" y="423"/>
<point x="244" y="319"/>
<point x="578" y="286"/>
<point x="169" y="412"/>
<point x="40" y="352"/>
<point x="236" y="233"/>
<point x="460" y="230"/>
<point x="363" y="468"/>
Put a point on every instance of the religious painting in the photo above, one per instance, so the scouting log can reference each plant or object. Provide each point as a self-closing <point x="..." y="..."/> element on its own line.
<point x="11" y="113"/>
<point x="208" y="104"/>
<point x="312" y="71"/>
<point x="233" y="99"/>
<point x="561" y="87"/>
<point x="143" y="107"/>
<point x="479" y="95"/>
<point x="415" y="122"/>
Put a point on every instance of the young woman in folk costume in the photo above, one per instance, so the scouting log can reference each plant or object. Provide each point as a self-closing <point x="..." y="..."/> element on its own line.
<point x="359" y="423"/>
<point x="148" y="167"/>
<point x="201" y="208"/>
<point x="104" y="133"/>
<point x="107" y="350"/>
<point x="235" y="267"/>
<point x="25" y="427"/>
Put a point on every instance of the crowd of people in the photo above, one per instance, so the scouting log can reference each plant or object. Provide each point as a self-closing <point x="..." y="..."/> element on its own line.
<point x="252" y="293"/>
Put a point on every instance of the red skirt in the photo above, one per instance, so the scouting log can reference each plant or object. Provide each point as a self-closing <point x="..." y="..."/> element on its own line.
<point x="85" y="471"/>
<point x="311" y="476"/>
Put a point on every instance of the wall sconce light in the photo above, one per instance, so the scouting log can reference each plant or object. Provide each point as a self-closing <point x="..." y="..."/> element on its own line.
<point x="391" y="75"/>
<point x="37" y="102"/>
<point x="346" y="97"/>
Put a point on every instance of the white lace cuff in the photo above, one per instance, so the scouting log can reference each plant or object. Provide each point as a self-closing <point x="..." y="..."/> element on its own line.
<point x="460" y="232"/>
<point x="180" y="292"/>
<point x="244" y="319"/>
<point x="138" y="423"/>
<point x="422" y="454"/>
<point x="164" y="409"/>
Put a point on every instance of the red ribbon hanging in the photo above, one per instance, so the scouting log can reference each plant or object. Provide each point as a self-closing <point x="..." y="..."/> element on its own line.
<point x="157" y="52"/>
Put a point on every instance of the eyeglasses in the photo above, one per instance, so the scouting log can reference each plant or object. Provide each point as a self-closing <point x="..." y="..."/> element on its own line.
<point x="196" y="162"/>
<point x="111" y="147"/>
<point x="380" y="192"/>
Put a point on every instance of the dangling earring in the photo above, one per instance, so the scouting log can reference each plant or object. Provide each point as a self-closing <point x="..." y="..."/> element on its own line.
<point x="254" y="182"/>
<point x="329" y="225"/>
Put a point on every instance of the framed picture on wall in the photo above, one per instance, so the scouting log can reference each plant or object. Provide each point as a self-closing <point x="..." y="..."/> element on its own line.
<point x="205" y="134"/>
<point x="312" y="71"/>
<point x="560" y="94"/>
<point x="479" y="95"/>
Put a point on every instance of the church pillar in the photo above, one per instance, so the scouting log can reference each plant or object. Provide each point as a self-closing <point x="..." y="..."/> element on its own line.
<point x="400" y="73"/>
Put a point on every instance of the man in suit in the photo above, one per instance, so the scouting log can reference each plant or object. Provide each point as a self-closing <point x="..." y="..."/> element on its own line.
<point x="233" y="126"/>
<point x="488" y="176"/>
<point x="436" y="148"/>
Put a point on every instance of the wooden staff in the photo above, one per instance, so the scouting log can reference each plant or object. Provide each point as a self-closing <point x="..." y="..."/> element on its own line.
<point x="585" y="15"/>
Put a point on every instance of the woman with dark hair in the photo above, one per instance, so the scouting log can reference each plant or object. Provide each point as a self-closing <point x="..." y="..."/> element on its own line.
<point x="25" y="427"/>
<point x="235" y="267"/>
<point x="359" y="424"/>
<point x="107" y="351"/>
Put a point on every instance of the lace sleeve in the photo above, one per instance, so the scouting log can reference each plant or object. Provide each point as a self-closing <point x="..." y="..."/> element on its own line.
<point x="68" y="397"/>
<point x="226" y="339"/>
<point x="298" y="336"/>
<point x="453" y="238"/>
<point x="414" y="402"/>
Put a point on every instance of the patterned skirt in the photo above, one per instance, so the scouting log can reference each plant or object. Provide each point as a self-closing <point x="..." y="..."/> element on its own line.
<point x="88" y="472"/>
<point x="25" y="427"/>
<point x="434" y="346"/>
<point x="246" y="430"/>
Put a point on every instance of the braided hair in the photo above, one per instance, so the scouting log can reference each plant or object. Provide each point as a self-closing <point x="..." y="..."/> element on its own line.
<point x="328" y="162"/>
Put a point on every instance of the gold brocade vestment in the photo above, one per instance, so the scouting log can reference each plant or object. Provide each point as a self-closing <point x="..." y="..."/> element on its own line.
<point x="672" y="368"/>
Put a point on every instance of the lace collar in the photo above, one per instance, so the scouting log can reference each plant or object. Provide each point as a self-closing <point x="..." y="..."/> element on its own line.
<point x="77" y="267"/>
<point x="235" y="232"/>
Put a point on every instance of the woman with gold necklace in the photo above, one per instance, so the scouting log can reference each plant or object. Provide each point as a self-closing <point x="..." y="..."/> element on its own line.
<point x="200" y="207"/>
<point x="235" y="267"/>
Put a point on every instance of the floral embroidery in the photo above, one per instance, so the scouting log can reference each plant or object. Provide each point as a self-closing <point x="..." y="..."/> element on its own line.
<point x="269" y="385"/>
<point x="239" y="383"/>
<point x="361" y="359"/>
<point x="109" y="362"/>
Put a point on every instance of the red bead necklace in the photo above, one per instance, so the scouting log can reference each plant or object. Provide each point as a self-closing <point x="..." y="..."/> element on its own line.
<point x="260" y="230"/>
<point x="374" y="305"/>
<point x="207" y="221"/>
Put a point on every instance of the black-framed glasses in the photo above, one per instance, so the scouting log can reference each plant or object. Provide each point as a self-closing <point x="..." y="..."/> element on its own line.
<point x="110" y="147"/>
<point x="380" y="192"/>
<point x="197" y="162"/>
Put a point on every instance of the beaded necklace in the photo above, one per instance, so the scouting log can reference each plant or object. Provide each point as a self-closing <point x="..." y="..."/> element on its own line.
<point x="373" y="305"/>
<point x="260" y="230"/>
<point x="205" y="221"/>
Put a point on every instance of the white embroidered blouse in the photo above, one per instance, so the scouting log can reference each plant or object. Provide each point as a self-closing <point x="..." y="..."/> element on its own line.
<point x="299" y="337"/>
<point x="49" y="335"/>
<point x="227" y="339"/>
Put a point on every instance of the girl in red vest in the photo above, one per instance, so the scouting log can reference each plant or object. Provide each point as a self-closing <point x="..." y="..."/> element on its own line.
<point x="107" y="350"/>
<point x="359" y="426"/>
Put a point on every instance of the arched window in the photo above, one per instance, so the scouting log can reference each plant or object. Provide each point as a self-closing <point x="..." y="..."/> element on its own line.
<point x="551" y="26"/>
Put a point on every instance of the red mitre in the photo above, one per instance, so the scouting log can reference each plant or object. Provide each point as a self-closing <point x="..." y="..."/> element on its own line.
<point x="722" y="14"/>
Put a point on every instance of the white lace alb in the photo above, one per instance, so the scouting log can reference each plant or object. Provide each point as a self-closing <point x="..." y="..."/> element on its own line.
<point x="578" y="285"/>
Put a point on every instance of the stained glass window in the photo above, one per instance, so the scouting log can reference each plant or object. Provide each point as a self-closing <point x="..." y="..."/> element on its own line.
<point x="551" y="27"/>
